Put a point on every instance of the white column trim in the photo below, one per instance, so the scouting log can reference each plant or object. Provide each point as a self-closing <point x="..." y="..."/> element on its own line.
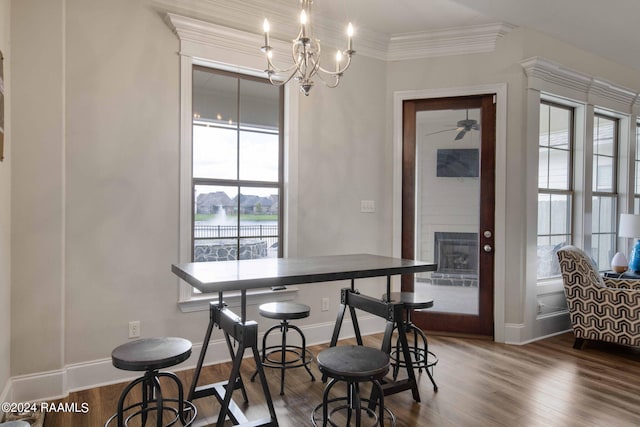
<point x="185" y="225"/>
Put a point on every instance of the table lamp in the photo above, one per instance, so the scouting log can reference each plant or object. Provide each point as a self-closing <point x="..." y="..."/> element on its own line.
<point x="630" y="227"/>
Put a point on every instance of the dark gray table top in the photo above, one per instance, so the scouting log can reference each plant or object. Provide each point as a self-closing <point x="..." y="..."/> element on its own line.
<point x="220" y="276"/>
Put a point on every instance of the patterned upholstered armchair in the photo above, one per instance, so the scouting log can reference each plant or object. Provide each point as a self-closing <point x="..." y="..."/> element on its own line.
<point x="599" y="309"/>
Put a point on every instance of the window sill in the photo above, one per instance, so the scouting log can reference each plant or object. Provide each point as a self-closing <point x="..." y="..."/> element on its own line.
<point x="550" y="286"/>
<point x="232" y="299"/>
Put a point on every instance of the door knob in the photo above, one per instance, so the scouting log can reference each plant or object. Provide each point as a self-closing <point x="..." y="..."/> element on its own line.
<point x="487" y="248"/>
<point x="487" y="234"/>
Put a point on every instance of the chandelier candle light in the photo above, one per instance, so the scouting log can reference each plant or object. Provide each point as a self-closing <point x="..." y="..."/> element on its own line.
<point x="306" y="56"/>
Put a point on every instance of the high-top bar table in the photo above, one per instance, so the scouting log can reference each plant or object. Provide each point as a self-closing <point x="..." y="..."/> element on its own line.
<point x="223" y="276"/>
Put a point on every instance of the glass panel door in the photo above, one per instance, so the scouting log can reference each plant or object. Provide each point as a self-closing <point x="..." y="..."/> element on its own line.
<point x="448" y="209"/>
<point x="448" y="206"/>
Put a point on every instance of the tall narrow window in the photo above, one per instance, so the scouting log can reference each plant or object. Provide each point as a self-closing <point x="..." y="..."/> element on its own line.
<point x="636" y="180"/>
<point x="237" y="166"/>
<point x="555" y="191"/>
<point x="605" y="189"/>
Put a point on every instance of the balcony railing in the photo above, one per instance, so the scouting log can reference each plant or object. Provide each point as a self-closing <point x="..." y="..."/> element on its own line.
<point x="256" y="231"/>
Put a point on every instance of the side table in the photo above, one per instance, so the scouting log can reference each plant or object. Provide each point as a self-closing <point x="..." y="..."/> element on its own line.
<point x="626" y="275"/>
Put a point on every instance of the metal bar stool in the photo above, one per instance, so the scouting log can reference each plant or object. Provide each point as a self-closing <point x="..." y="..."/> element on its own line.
<point x="285" y="311"/>
<point x="352" y="364"/>
<point x="151" y="355"/>
<point x="421" y="356"/>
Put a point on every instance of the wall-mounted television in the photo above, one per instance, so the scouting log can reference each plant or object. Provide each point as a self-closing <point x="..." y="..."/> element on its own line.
<point x="458" y="162"/>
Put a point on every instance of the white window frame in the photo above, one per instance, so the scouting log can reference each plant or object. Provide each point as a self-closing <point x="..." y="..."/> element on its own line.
<point x="570" y="191"/>
<point x="588" y="95"/>
<point x="215" y="46"/>
<point x="615" y="193"/>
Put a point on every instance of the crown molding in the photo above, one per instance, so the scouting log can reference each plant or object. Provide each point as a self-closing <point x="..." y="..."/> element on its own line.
<point x="544" y="74"/>
<point x="195" y="34"/>
<point x="248" y="15"/>
<point x="446" y="42"/>
<point x="542" y="69"/>
<point x="208" y="34"/>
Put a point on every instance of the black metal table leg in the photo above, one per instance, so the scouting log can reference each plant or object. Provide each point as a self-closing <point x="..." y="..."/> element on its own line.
<point x="203" y="353"/>
<point x="407" y="357"/>
<point x="240" y="382"/>
<point x="393" y="313"/>
<point x="246" y="335"/>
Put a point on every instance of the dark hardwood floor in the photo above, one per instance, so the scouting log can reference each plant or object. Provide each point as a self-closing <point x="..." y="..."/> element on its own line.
<point x="481" y="383"/>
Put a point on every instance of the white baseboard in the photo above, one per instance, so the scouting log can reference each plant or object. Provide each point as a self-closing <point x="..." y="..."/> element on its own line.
<point x="513" y="333"/>
<point x="38" y="386"/>
<point x="95" y="373"/>
<point x="5" y="396"/>
<point x="545" y="327"/>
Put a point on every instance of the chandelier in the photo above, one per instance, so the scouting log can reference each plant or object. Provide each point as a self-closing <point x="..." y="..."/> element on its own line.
<point x="305" y="52"/>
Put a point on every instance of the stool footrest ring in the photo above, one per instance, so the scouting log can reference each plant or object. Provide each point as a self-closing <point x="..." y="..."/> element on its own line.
<point x="315" y="417"/>
<point x="189" y="411"/>
<point x="419" y="359"/>
<point x="299" y="361"/>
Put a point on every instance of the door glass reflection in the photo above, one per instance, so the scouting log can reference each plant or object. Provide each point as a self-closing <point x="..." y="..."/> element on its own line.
<point x="448" y="207"/>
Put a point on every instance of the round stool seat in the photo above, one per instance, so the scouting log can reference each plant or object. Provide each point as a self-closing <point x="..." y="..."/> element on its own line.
<point x="150" y="354"/>
<point x="353" y="363"/>
<point x="284" y="310"/>
<point x="285" y="355"/>
<point x="411" y="300"/>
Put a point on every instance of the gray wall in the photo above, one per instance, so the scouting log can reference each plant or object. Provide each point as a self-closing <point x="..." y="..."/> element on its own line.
<point x="37" y="196"/>
<point x="5" y="211"/>
<point x="122" y="177"/>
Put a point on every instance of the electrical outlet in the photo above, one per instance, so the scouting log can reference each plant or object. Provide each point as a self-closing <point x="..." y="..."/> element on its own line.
<point x="325" y="304"/>
<point x="134" y="329"/>
<point x="367" y="206"/>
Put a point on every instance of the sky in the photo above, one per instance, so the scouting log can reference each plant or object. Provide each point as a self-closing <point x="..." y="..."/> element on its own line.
<point x="215" y="152"/>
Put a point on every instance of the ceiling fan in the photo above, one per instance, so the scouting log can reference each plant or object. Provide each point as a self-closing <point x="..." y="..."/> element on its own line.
<point x="463" y="126"/>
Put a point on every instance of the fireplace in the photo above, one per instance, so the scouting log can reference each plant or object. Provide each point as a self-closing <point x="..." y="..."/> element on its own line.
<point x="456" y="255"/>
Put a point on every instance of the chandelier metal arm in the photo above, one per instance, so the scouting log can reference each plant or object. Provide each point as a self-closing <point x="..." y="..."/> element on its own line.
<point x="272" y="69"/>
<point x="340" y="71"/>
<point x="306" y="53"/>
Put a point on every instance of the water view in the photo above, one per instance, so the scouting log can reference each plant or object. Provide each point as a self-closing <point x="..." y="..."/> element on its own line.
<point x="225" y="235"/>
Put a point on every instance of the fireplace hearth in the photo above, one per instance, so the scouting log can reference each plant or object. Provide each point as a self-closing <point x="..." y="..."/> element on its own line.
<point x="456" y="255"/>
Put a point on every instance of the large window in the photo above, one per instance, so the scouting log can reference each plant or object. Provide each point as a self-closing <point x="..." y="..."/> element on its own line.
<point x="237" y="166"/>
<point x="555" y="189"/>
<point x="605" y="190"/>
<point x="562" y="185"/>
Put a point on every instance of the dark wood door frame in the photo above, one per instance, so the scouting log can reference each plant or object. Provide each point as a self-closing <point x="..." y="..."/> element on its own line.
<point x="481" y="324"/>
